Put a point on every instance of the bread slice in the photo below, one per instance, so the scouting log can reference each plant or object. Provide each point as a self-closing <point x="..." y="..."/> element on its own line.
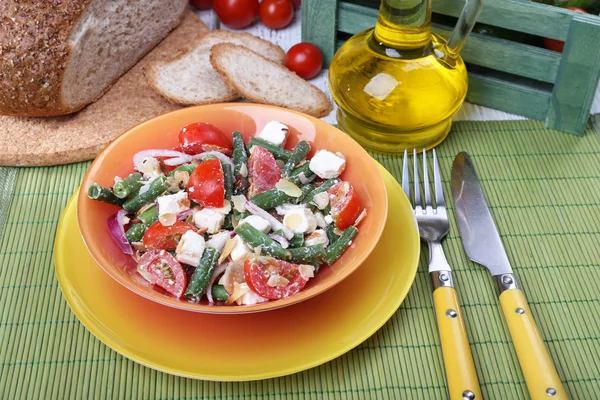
<point x="263" y="81"/>
<point x="82" y="135"/>
<point x="190" y="79"/>
<point x="58" y="57"/>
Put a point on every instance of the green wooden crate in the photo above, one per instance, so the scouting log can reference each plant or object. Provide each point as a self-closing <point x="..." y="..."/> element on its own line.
<point x="506" y="75"/>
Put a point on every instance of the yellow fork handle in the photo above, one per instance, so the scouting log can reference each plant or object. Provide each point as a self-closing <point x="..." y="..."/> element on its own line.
<point x="540" y="374"/>
<point x="458" y="360"/>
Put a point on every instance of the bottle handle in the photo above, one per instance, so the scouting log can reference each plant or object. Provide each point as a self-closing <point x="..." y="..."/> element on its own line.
<point x="464" y="26"/>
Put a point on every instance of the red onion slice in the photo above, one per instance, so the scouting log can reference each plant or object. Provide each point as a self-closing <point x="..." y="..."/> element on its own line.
<point x="282" y="241"/>
<point x="115" y="225"/>
<point x="184" y="214"/>
<point x="275" y="224"/>
<point x="216" y="273"/>
<point x="179" y="156"/>
<point x="222" y="157"/>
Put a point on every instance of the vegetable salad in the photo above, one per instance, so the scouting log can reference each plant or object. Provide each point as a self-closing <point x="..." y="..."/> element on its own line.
<point x="236" y="222"/>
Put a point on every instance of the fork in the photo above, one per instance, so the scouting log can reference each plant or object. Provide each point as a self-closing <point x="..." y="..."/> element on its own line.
<point x="433" y="225"/>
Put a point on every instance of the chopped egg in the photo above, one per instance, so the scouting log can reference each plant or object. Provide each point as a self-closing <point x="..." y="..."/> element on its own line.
<point x="150" y="168"/>
<point x="171" y="205"/>
<point x="257" y="222"/>
<point x="190" y="248"/>
<point x="328" y="219"/>
<point x="226" y="209"/>
<point x="209" y="219"/>
<point x="306" y="271"/>
<point x="240" y="251"/>
<point x="300" y="221"/>
<point x="321" y="200"/>
<point x="239" y="202"/>
<point x="327" y="165"/>
<point x="274" y="132"/>
<point x="217" y="241"/>
<point x="317" y="237"/>
<point x="277" y="281"/>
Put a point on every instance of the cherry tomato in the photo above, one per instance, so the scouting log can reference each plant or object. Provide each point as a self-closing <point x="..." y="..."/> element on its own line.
<point x="559" y="45"/>
<point x="275" y="14"/>
<point x="236" y="14"/>
<point x="200" y="137"/>
<point x="206" y="185"/>
<point x="258" y="271"/>
<point x="263" y="171"/>
<point x="296" y="3"/>
<point x="345" y="204"/>
<point x="202" y="4"/>
<point x="161" y="268"/>
<point x="160" y="237"/>
<point x="305" y="59"/>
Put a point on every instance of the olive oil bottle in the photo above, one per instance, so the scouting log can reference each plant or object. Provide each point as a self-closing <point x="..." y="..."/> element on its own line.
<point x="398" y="85"/>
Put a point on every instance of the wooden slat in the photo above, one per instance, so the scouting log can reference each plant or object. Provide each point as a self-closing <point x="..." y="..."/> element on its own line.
<point x="578" y="75"/>
<point x="319" y="26"/>
<point x="518" y="15"/>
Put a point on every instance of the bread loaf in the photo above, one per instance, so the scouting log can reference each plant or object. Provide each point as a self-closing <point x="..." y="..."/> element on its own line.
<point x="58" y="56"/>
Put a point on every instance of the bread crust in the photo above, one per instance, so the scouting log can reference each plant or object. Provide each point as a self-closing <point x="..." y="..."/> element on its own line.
<point x="34" y="53"/>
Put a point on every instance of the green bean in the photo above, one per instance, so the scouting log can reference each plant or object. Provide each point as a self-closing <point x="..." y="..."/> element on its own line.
<point x="337" y="248"/>
<point x="149" y="216"/>
<point x="228" y="222"/>
<point x="240" y="156"/>
<point x="297" y="240"/>
<point x="100" y="193"/>
<point x="255" y="238"/>
<point x="219" y="293"/>
<point x="277" y="151"/>
<point x="138" y="200"/>
<point x="270" y="199"/>
<point x="308" y="254"/>
<point x="189" y="168"/>
<point x="306" y="189"/>
<point x="135" y="233"/>
<point x="128" y="186"/>
<point x="303" y="169"/>
<point x="324" y="187"/>
<point x="228" y="177"/>
<point x="331" y="235"/>
<point x="298" y="154"/>
<point x="202" y="274"/>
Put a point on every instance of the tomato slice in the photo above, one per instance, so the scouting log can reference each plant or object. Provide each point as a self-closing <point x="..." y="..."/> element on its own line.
<point x="263" y="171"/>
<point x="160" y="237"/>
<point x="345" y="204"/>
<point x="200" y="137"/>
<point x="206" y="185"/>
<point x="257" y="272"/>
<point x="162" y="269"/>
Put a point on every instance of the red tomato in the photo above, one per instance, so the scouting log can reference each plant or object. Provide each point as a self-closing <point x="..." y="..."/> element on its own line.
<point x="160" y="237"/>
<point x="305" y="59"/>
<point x="559" y="45"/>
<point x="202" y="4"/>
<point x="200" y="137"/>
<point x="275" y="14"/>
<point x="345" y="204"/>
<point x="263" y="171"/>
<point x="161" y="268"/>
<point x="206" y="185"/>
<point x="258" y="271"/>
<point x="236" y="14"/>
<point x="296" y="3"/>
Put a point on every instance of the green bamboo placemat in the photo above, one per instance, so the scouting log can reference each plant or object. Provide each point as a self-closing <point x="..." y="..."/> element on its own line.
<point x="543" y="188"/>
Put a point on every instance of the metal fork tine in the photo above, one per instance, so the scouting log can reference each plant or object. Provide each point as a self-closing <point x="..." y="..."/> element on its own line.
<point x="405" y="180"/>
<point x="437" y="182"/>
<point x="426" y="181"/>
<point x="416" y="182"/>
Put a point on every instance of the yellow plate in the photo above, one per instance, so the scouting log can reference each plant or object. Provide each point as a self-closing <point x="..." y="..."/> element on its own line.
<point x="248" y="346"/>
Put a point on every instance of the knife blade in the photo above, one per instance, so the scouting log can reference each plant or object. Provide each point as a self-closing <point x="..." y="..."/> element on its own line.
<point x="483" y="244"/>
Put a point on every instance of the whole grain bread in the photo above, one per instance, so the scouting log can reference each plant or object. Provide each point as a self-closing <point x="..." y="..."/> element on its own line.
<point x="261" y="80"/>
<point x="190" y="78"/>
<point x="81" y="136"/>
<point x="58" y="56"/>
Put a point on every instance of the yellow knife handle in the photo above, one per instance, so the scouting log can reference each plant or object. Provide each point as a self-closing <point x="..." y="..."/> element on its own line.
<point x="458" y="360"/>
<point x="540" y="374"/>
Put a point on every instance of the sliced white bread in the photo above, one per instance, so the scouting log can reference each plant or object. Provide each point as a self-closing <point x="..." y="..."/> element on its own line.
<point x="262" y="81"/>
<point x="190" y="78"/>
<point x="58" y="57"/>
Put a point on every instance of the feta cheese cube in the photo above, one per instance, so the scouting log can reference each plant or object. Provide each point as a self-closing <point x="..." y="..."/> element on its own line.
<point x="328" y="219"/>
<point x="300" y="221"/>
<point x="285" y="208"/>
<point x="240" y="251"/>
<point x="210" y="219"/>
<point x="150" y="168"/>
<point x="320" y="220"/>
<point x="257" y="222"/>
<point x="171" y="205"/>
<point x="317" y="237"/>
<point x="190" y="248"/>
<point x="218" y="240"/>
<point x="275" y="132"/>
<point x="327" y="165"/>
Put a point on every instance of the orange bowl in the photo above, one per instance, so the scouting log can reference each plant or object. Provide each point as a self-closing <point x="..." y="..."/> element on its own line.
<point x="162" y="132"/>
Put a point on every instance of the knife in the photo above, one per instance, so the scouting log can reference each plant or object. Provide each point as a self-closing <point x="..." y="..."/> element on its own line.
<point x="483" y="245"/>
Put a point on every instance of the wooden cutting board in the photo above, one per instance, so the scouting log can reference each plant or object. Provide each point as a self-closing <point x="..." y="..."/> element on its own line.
<point x="81" y="136"/>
